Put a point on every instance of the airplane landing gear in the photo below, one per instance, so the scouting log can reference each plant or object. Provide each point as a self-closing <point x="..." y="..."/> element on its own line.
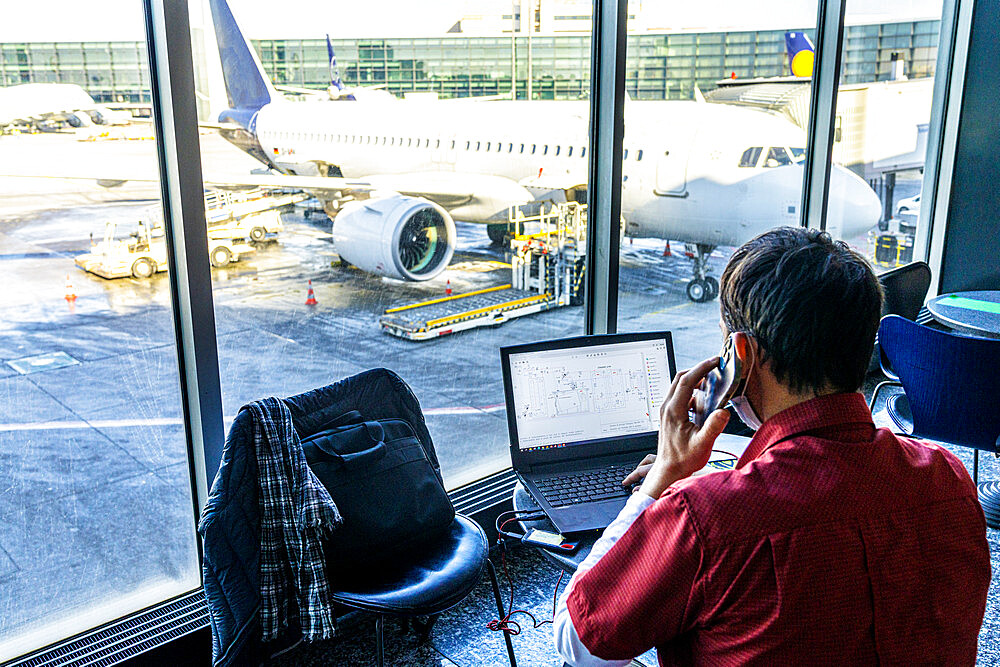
<point x="703" y="287"/>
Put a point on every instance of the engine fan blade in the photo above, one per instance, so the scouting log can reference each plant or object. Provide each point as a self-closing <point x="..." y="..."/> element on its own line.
<point x="415" y="241"/>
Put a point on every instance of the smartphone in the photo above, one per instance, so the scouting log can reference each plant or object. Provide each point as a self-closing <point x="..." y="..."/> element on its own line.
<point x="551" y="541"/>
<point x="719" y="385"/>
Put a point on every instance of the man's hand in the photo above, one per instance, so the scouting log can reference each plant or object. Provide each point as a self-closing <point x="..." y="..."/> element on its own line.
<point x="682" y="447"/>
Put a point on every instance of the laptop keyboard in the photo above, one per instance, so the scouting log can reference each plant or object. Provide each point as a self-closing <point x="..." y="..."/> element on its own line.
<point x="587" y="486"/>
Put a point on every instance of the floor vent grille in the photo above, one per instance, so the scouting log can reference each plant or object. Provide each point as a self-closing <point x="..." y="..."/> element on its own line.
<point x="126" y="638"/>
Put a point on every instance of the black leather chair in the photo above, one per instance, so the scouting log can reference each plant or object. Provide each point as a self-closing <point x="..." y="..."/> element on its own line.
<point x="427" y="584"/>
<point x="424" y="583"/>
<point x="905" y="289"/>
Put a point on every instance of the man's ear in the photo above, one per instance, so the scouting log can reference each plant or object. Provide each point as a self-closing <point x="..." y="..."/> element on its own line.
<point x="741" y="345"/>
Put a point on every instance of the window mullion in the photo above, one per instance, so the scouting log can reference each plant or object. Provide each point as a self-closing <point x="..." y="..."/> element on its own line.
<point x="822" y="112"/>
<point x="175" y="120"/>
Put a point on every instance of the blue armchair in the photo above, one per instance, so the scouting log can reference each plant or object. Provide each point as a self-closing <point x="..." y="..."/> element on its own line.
<point x="951" y="392"/>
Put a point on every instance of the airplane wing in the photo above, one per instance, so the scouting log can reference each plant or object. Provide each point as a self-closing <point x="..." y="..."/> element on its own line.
<point x="451" y="190"/>
<point x="474" y="197"/>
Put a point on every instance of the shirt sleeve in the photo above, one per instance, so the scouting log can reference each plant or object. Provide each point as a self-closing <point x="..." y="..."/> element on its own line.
<point x="568" y="643"/>
<point x="645" y="590"/>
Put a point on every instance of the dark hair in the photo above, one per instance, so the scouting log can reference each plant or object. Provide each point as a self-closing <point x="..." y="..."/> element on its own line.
<point x="812" y="304"/>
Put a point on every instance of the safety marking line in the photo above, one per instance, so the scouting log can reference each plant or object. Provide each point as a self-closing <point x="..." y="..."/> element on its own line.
<point x="168" y="421"/>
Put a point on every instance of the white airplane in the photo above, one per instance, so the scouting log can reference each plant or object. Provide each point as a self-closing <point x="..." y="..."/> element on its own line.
<point x="39" y="104"/>
<point x="705" y="174"/>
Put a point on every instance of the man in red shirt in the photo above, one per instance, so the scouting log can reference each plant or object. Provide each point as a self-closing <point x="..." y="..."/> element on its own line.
<point x="831" y="542"/>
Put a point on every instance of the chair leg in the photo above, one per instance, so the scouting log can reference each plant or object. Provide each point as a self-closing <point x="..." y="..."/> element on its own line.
<point x="423" y="628"/>
<point x="379" y="646"/>
<point x="975" y="467"/>
<point x="499" y="598"/>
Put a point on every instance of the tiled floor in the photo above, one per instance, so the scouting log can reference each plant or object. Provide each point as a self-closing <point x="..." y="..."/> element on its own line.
<point x="460" y="636"/>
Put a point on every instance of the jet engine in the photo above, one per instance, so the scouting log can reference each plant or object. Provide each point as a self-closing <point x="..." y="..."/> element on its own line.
<point x="397" y="236"/>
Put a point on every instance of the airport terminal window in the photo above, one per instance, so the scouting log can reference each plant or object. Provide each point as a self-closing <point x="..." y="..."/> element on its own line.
<point x="96" y="516"/>
<point x="272" y="341"/>
<point x="702" y="164"/>
<point x="881" y="139"/>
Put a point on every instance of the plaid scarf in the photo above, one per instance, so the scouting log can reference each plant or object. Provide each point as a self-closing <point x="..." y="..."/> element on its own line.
<point x="295" y="512"/>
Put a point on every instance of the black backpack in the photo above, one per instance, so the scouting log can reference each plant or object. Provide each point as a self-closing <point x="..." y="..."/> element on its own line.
<point x="386" y="486"/>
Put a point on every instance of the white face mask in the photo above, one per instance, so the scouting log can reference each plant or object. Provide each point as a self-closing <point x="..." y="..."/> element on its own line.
<point x="746" y="414"/>
<point x="742" y="406"/>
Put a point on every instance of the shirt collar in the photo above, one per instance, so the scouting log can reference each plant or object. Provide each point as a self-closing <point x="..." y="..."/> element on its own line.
<point x="817" y="413"/>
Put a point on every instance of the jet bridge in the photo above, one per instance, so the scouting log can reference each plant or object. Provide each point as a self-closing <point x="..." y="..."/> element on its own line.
<point x="548" y="253"/>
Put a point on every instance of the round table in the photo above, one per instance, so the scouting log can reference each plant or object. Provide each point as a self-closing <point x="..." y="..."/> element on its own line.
<point x="975" y="313"/>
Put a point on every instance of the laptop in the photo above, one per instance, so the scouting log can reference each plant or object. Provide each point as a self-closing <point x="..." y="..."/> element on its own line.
<point x="582" y="412"/>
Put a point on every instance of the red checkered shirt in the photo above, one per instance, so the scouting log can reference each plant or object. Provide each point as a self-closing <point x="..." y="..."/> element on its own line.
<point x="830" y="543"/>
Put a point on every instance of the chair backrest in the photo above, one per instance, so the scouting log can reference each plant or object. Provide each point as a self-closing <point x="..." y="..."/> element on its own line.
<point x="952" y="382"/>
<point x="905" y="289"/>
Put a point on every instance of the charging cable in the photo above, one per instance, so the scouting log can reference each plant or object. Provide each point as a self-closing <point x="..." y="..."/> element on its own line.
<point x="506" y="624"/>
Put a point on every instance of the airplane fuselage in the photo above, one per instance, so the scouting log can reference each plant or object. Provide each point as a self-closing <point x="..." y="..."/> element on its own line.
<point x="682" y="177"/>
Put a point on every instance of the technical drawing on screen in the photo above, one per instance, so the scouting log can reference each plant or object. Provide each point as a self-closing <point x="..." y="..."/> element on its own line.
<point x="583" y="394"/>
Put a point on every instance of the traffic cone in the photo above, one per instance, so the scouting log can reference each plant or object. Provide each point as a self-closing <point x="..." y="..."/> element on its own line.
<point x="70" y="294"/>
<point x="666" y="250"/>
<point x="310" y="295"/>
<point x="447" y="288"/>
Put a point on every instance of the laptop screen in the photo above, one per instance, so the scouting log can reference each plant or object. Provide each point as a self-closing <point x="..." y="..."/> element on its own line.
<point x="581" y="394"/>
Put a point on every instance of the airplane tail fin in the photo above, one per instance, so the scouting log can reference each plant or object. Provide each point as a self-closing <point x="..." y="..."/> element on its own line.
<point x="334" y="72"/>
<point x="246" y="84"/>
<point x="801" y="54"/>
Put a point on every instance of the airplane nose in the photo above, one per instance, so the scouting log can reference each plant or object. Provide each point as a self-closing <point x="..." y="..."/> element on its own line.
<point x="853" y="207"/>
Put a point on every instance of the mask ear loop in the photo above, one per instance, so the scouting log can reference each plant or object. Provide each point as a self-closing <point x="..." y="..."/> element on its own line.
<point x="753" y="363"/>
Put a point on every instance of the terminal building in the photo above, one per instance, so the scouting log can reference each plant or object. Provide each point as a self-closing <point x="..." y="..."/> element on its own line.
<point x="661" y="65"/>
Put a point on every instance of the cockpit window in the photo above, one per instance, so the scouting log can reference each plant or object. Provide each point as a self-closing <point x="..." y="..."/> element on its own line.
<point x="798" y="154"/>
<point x="750" y="157"/>
<point x="777" y="157"/>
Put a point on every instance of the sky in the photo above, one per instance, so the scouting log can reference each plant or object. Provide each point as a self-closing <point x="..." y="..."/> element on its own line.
<point x="72" y="20"/>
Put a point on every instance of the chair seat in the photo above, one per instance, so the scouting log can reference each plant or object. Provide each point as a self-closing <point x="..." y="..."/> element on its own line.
<point x="432" y="581"/>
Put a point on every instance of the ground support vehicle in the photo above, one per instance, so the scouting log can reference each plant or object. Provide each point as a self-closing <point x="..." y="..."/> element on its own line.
<point x="546" y="272"/>
<point x="143" y="252"/>
<point x="251" y="214"/>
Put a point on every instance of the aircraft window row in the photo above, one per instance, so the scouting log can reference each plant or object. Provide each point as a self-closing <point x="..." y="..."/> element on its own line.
<point x="426" y="143"/>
